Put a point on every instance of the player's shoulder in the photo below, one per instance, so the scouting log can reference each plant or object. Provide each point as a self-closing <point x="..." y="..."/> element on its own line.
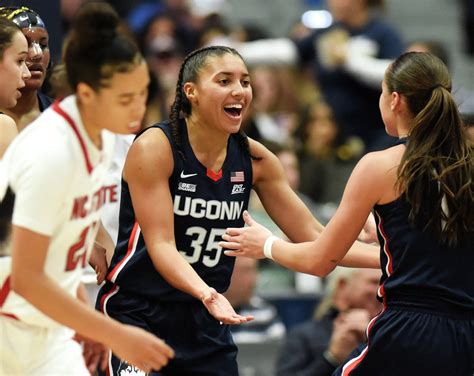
<point x="7" y="124"/>
<point x="152" y="140"/>
<point x="382" y="160"/>
<point x="377" y="171"/>
<point x="152" y="148"/>
<point x="259" y="151"/>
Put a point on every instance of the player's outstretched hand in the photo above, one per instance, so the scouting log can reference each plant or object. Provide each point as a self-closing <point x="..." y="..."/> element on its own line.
<point x="245" y="241"/>
<point x="219" y="307"/>
<point x="141" y="349"/>
<point x="98" y="261"/>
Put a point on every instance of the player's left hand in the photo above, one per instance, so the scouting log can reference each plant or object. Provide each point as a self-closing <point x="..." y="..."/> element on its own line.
<point x="219" y="307"/>
<point x="245" y="241"/>
<point x="95" y="354"/>
<point x="98" y="261"/>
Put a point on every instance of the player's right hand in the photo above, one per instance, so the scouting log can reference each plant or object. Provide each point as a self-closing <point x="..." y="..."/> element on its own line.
<point x="245" y="241"/>
<point x="142" y="349"/>
<point x="219" y="307"/>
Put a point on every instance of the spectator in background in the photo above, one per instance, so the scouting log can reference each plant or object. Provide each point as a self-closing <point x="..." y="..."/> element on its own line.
<point x="355" y="104"/>
<point x="468" y="13"/>
<point x="163" y="50"/>
<point x="272" y="276"/>
<point x="370" y="70"/>
<point x="468" y="119"/>
<point x="323" y="155"/>
<point x="32" y="101"/>
<point x="317" y="347"/>
<point x="275" y="105"/>
<point x="266" y="325"/>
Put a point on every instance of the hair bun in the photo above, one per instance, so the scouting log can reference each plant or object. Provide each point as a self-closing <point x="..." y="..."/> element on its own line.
<point x="97" y="21"/>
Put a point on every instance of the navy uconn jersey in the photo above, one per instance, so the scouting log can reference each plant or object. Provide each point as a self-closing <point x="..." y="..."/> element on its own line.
<point x="411" y="258"/>
<point x="205" y="204"/>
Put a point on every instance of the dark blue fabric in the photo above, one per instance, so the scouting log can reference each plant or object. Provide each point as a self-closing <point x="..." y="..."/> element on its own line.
<point x="411" y="342"/>
<point x="202" y="346"/>
<point x="200" y="219"/>
<point x="44" y="101"/>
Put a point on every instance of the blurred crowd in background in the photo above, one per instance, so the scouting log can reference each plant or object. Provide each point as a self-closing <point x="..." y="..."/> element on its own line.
<point x="315" y="88"/>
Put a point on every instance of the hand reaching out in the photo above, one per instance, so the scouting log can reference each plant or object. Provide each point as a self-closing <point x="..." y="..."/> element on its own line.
<point x="219" y="307"/>
<point x="245" y="241"/>
<point x="141" y="349"/>
<point x="95" y="354"/>
<point x="98" y="261"/>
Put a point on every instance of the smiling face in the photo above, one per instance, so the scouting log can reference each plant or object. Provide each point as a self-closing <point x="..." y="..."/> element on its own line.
<point x="13" y="71"/>
<point x="222" y="93"/>
<point x="38" y="56"/>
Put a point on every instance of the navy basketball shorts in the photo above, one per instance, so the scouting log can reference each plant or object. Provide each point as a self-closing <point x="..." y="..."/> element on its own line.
<point x="202" y="346"/>
<point x="412" y="342"/>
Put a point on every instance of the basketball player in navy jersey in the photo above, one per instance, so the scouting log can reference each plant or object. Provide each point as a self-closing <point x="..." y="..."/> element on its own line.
<point x="184" y="182"/>
<point x="421" y="191"/>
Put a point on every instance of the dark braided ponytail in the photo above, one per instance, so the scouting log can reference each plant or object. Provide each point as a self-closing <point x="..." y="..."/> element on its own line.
<point x="188" y="72"/>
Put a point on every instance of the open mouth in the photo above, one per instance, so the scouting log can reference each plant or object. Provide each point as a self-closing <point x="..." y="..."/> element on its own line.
<point x="234" y="110"/>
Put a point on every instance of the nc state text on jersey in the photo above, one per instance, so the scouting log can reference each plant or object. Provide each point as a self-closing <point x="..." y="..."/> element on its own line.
<point x="86" y="205"/>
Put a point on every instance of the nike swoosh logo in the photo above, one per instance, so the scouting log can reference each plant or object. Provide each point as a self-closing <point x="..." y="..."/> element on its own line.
<point x="184" y="176"/>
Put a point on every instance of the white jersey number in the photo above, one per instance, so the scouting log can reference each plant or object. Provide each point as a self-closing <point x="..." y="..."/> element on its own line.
<point x="197" y="245"/>
<point x="77" y="254"/>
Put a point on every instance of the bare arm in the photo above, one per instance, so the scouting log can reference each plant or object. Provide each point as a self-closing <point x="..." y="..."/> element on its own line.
<point x="279" y="200"/>
<point x="29" y="281"/>
<point x="290" y="213"/>
<point x="8" y="131"/>
<point x="278" y="51"/>
<point x="361" y="63"/>
<point x="319" y="257"/>
<point x="102" y="253"/>
<point x="153" y="205"/>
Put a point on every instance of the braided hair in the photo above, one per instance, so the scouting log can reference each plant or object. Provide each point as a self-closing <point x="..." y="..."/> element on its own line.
<point x="188" y="72"/>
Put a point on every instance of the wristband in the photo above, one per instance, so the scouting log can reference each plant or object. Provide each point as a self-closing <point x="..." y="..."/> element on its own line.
<point x="267" y="247"/>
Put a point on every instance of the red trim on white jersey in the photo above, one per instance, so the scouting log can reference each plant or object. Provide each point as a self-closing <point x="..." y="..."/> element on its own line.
<point x="9" y="315"/>
<point x="4" y="291"/>
<point x="69" y="120"/>
<point x="132" y="247"/>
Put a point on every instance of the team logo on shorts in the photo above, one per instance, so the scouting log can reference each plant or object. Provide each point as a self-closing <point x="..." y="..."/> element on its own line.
<point x="126" y="369"/>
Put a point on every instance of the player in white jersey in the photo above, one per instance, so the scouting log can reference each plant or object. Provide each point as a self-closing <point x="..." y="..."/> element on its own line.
<point x="110" y="211"/>
<point x="55" y="173"/>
